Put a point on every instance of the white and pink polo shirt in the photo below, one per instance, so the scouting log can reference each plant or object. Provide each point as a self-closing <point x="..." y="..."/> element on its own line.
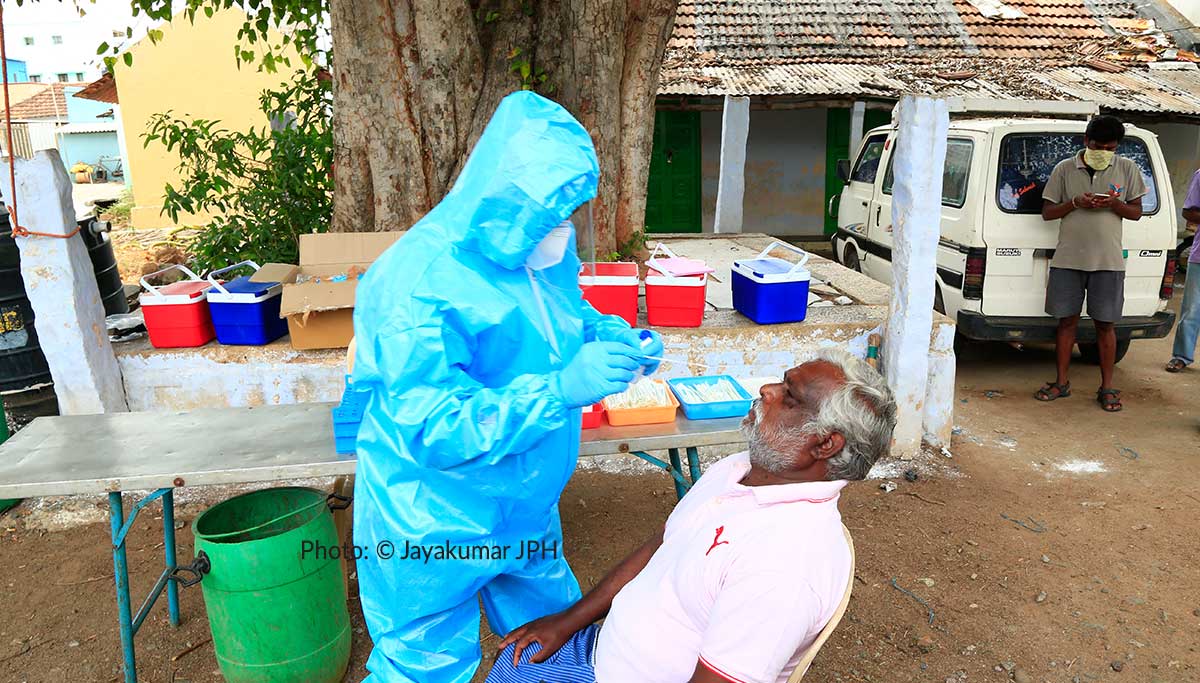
<point x="746" y="578"/>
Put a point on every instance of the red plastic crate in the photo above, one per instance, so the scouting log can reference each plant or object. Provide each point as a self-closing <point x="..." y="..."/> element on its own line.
<point x="611" y="288"/>
<point x="177" y="314"/>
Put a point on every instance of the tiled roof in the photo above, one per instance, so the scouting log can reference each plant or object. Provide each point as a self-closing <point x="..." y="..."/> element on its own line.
<point x="882" y="48"/>
<point x="44" y="101"/>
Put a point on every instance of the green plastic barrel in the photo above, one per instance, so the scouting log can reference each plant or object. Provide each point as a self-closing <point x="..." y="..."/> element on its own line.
<point x="276" y="603"/>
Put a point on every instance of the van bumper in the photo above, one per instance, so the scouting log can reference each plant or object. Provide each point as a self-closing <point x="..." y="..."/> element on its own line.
<point x="996" y="328"/>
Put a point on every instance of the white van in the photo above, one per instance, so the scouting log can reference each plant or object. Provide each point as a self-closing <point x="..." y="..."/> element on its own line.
<point x="994" y="253"/>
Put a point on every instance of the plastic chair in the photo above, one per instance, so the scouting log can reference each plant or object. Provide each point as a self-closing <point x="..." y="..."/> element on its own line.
<point x="811" y="653"/>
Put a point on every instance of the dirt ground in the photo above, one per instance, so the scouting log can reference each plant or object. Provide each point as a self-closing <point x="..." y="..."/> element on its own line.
<point x="1057" y="545"/>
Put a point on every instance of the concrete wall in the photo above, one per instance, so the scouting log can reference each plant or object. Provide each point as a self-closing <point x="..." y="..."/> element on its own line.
<point x="192" y="72"/>
<point x="785" y="171"/>
<point x="87" y="147"/>
<point x="1180" y="144"/>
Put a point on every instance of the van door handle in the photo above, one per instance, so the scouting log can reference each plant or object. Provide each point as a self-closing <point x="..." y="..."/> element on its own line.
<point x="878" y="211"/>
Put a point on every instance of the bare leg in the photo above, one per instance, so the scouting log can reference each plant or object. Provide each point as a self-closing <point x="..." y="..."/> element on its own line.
<point x="1106" y="340"/>
<point x="1064" y="343"/>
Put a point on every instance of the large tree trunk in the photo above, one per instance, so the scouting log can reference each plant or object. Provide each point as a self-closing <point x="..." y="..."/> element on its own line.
<point x="415" y="82"/>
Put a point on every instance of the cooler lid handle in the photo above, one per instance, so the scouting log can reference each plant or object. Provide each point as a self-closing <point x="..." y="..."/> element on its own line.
<point x="790" y="247"/>
<point x="175" y="266"/>
<point x="212" y="277"/>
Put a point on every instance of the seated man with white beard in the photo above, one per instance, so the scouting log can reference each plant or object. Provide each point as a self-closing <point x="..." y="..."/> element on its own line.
<point x="750" y="565"/>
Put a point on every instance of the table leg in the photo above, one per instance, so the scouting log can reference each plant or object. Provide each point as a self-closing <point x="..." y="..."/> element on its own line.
<point x="693" y="455"/>
<point x="121" y="575"/>
<point x="677" y="466"/>
<point x="168" y="515"/>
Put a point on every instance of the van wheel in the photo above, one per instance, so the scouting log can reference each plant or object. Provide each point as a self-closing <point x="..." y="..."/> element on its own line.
<point x="850" y="260"/>
<point x="1091" y="352"/>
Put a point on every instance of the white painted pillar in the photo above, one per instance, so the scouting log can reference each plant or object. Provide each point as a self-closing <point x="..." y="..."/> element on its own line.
<point x="939" y="391"/>
<point x="731" y="184"/>
<point x="62" y="289"/>
<point x="916" y="214"/>
<point x="858" y="117"/>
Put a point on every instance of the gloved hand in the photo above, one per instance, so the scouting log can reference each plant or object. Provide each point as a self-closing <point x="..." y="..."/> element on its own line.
<point x="654" y="348"/>
<point x="599" y="369"/>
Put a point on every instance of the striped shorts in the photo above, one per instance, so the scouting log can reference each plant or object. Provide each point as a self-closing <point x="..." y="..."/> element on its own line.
<point x="574" y="663"/>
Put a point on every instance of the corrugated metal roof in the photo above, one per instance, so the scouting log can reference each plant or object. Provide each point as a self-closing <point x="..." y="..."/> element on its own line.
<point x="98" y="127"/>
<point x="883" y="48"/>
<point x="1134" y="90"/>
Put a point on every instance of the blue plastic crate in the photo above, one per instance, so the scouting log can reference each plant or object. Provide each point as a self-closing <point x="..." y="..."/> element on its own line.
<point x="709" y="411"/>
<point x="771" y="290"/>
<point x="347" y="417"/>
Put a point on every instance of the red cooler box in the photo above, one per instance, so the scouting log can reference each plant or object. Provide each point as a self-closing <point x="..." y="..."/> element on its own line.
<point x="675" y="290"/>
<point x="611" y="288"/>
<point x="177" y="314"/>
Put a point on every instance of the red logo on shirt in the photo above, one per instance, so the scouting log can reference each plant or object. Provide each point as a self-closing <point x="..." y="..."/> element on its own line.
<point x="717" y="540"/>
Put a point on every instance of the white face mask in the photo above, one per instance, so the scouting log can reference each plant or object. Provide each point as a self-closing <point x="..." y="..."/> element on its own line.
<point x="550" y="251"/>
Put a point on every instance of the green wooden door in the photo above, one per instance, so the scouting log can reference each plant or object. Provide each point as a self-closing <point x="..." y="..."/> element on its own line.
<point x="837" y="146"/>
<point x="673" y="191"/>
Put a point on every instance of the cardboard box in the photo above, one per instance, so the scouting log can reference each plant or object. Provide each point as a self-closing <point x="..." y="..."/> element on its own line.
<point x="320" y="315"/>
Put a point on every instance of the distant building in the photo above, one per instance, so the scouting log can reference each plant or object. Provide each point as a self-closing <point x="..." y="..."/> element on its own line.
<point x="819" y="75"/>
<point x="58" y="45"/>
<point x="17" y="73"/>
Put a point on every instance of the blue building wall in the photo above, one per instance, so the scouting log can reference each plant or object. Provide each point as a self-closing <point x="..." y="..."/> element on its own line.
<point x="80" y="110"/>
<point x="87" y="147"/>
<point x="17" y="73"/>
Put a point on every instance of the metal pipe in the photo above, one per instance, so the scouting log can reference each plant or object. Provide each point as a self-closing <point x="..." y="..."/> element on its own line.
<point x="121" y="577"/>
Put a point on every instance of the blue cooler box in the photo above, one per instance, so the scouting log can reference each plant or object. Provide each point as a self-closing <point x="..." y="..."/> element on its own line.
<point x="770" y="290"/>
<point x="243" y="312"/>
<point x="347" y="417"/>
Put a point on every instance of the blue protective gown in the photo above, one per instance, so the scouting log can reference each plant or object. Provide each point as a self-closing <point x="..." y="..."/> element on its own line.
<point x="464" y="441"/>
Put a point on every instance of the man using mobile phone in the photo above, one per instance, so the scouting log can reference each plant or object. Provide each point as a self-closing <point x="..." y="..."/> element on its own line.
<point x="1093" y="193"/>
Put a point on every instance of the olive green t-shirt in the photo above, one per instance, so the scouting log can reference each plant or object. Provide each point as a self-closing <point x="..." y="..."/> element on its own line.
<point x="1090" y="239"/>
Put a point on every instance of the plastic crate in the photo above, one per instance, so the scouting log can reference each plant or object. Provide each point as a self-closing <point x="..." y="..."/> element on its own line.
<point x="347" y="417"/>
<point x="709" y="411"/>
<point x="643" y="416"/>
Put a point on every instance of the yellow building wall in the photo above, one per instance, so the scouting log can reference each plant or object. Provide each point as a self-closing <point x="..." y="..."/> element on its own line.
<point x="192" y="72"/>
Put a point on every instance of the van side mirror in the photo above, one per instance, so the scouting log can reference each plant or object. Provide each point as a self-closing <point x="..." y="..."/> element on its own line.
<point x="843" y="170"/>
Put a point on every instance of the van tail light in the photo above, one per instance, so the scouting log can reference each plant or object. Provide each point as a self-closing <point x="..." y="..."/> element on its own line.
<point x="973" y="278"/>
<point x="1167" y="290"/>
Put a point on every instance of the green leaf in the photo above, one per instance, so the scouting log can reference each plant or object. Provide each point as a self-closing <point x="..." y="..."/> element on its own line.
<point x="525" y="70"/>
<point x="491" y="17"/>
<point x="102" y="49"/>
<point x="128" y="57"/>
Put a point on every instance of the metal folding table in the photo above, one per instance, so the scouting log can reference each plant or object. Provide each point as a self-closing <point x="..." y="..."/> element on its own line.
<point x="116" y="452"/>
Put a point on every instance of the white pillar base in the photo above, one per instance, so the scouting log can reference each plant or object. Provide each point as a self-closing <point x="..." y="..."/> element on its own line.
<point x="731" y="185"/>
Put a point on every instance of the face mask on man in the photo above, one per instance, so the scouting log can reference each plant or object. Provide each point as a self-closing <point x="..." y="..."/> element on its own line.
<point x="550" y="251"/>
<point x="1098" y="159"/>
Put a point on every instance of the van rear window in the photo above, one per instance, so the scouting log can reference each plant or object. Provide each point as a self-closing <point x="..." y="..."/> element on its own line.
<point x="1026" y="161"/>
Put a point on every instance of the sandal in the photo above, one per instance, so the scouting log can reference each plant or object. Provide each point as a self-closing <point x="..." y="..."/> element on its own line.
<point x="1060" y="391"/>
<point x="1175" y="365"/>
<point x="1109" y="400"/>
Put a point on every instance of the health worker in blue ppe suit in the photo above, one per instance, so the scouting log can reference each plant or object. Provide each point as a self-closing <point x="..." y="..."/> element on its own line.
<point x="479" y="352"/>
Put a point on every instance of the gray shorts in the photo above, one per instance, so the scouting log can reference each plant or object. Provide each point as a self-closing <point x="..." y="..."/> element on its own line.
<point x="1105" y="290"/>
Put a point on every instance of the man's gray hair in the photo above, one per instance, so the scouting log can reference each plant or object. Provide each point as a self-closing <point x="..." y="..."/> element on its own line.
<point x="863" y="411"/>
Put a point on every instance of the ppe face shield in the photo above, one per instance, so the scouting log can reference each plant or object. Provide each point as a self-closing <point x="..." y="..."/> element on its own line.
<point x="551" y="250"/>
<point x="585" y="241"/>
